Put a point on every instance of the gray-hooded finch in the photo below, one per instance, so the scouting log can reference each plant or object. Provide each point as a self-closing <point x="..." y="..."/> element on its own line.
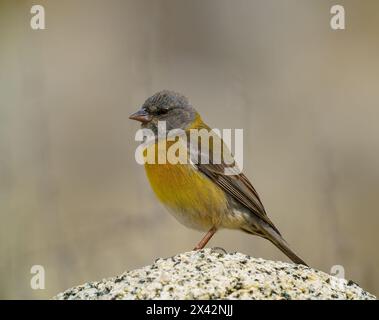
<point x="199" y="193"/>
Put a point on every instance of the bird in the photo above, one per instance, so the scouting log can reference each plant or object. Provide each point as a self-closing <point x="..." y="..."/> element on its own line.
<point x="199" y="193"/>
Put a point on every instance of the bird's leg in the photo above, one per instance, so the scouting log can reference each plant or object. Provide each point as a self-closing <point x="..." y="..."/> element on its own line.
<point x="206" y="238"/>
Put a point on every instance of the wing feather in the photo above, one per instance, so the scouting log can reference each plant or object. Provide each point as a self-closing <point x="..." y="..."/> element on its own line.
<point x="237" y="185"/>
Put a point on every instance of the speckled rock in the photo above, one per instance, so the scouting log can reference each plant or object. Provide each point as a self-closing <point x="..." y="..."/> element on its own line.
<point x="210" y="274"/>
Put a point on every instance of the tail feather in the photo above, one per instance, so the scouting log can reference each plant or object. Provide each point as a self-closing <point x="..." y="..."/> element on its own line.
<point x="282" y="245"/>
<point x="270" y="234"/>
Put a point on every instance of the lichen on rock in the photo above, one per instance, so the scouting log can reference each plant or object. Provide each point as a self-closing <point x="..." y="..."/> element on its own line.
<point x="209" y="274"/>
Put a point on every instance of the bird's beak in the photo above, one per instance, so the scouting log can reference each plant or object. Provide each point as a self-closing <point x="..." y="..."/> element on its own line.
<point x="141" y="116"/>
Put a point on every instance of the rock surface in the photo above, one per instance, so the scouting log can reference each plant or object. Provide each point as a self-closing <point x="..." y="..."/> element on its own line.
<point x="210" y="274"/>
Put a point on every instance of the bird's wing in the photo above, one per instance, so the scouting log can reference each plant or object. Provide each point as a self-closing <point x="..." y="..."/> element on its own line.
<point x="235" y="183"/>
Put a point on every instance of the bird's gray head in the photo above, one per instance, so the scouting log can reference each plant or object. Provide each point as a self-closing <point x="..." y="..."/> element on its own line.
<point x="168" y="106"/>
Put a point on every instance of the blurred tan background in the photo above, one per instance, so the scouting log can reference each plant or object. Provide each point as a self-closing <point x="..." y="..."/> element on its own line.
<point x="72" y="197"/>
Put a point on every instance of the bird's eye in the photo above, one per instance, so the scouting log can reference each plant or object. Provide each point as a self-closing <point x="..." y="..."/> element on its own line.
<point x="161" y="111"/>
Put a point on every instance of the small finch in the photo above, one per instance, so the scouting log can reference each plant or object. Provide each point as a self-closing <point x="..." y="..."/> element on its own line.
<point x="199" y="193"/>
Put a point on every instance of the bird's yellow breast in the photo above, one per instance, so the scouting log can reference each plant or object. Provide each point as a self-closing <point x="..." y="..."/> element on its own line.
<point x="190" y="196"/>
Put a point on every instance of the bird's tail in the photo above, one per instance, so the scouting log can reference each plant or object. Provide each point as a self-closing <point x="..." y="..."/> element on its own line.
<point x="282" y="245"/>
